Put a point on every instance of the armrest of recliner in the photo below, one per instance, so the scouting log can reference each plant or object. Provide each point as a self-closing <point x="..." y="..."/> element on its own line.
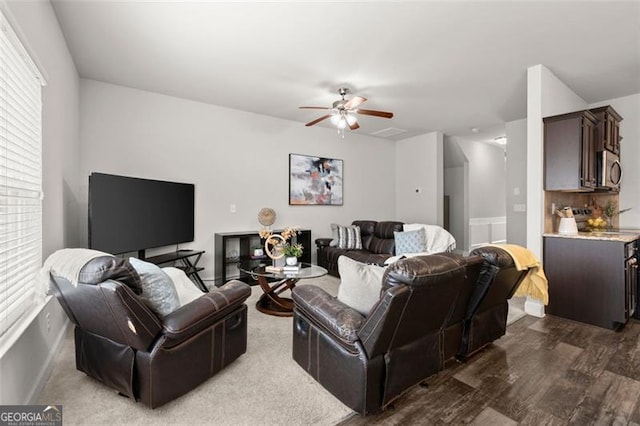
<point x="204" y="311"/>
<point x="323" y="242"/>
<point x="328" y="312"/>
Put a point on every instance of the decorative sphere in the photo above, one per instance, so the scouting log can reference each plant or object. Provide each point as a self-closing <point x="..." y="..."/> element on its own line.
<point x="266" y="216"/>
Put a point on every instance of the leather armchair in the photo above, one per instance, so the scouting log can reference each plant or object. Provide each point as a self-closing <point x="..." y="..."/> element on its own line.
<point x="122" y="343"/>
<point x="486" y="318"/>
<point x="368" y="362"/>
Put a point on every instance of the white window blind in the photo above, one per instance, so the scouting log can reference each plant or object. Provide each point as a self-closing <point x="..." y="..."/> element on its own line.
<point x="20" y="177"/>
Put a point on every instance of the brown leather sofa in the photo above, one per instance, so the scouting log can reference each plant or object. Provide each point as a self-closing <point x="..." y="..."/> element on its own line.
<point x="367" y="362"/>
<point x="378" y="244"/>
<point x="431" y="309"/>
<point x="122" y="343"/>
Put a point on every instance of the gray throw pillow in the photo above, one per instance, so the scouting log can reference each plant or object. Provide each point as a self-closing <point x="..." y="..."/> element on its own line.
<point x="158" y="291"/>
<point x="410" y="241"/>
<point x="346" y="237"/>
<point x="360" y="284"/>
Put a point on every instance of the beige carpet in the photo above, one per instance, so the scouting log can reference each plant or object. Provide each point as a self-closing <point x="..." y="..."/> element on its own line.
<point x="262" y="387"/>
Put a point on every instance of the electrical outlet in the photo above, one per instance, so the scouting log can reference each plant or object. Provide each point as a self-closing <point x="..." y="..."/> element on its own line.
<point x="233" y="208"/>
<point x="519" y="207"/>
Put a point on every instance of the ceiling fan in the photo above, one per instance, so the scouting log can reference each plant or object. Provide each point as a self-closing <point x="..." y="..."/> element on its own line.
<point x="343" y="112"/>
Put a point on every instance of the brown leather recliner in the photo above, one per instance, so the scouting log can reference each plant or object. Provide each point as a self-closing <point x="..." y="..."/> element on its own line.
<point x="486" y="318"/>
<point x="122" y="343"/>
<point x="367" y="362"/>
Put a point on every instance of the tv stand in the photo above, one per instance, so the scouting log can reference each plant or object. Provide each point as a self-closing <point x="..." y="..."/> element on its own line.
<point x="187" y="261"/>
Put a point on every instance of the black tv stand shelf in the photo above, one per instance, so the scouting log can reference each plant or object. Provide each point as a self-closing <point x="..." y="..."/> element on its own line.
<point x="233" y="247"/>
<point x="185" y="262"/>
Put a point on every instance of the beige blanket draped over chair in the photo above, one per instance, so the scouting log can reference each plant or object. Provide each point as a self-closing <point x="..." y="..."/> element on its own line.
<point x="535" y="284"/>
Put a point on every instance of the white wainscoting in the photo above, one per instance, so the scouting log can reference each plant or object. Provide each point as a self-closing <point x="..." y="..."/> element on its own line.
<point x="485" y="230"/>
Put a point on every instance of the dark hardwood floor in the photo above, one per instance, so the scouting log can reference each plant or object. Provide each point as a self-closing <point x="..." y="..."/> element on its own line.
<point x="548" y="371"/>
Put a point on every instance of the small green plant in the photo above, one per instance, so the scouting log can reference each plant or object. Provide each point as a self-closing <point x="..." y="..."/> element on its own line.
<point x="293" y="250"/>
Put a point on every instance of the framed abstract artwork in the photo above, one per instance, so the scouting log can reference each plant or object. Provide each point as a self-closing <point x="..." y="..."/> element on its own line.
<point x="315" y="180"/>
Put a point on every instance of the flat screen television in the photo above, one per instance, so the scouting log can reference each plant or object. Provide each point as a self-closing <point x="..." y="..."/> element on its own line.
<point x="132" y="214"/>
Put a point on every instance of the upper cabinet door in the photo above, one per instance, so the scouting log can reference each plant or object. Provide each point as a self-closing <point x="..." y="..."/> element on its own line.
<point x="608" y="129"/>
<point x="569" y="152"/>
<point x="588" y="155"/>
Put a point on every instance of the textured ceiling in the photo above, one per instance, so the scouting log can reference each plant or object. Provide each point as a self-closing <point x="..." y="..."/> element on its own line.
<point x="446" y="66"/>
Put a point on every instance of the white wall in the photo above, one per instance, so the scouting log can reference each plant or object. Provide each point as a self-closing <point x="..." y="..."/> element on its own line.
<point x="487" y="172"/>
<point x="481" y="194"/>
<point x="516" y="178"/>
<point x="546" y="96"/>
<point x="232" y="157"/>
<point x="487" y="230"/>
<point x="454" y="187"/>
<point x="419" y="179"/>
<point x="25" y="364"/>
<point x="629" y="108"/>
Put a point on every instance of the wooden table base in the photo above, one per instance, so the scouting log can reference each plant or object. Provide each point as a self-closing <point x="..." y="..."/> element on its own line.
<point x="270" y="302"/>
<point x="282" y="308"/>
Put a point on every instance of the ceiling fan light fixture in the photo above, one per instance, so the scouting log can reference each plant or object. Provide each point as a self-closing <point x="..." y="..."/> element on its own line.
<point x="343" y="112"/>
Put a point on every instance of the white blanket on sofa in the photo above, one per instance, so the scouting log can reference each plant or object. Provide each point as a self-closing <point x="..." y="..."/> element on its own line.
<point x="438" y="238"/>
<point x="65" y="263"/>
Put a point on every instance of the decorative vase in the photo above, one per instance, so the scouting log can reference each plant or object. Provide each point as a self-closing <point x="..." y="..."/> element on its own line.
<point x="291" y="260"/>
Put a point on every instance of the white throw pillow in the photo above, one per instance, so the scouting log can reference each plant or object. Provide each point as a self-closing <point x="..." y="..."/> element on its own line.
<point x="187" y="290"/>
<point x="360" y="284"/>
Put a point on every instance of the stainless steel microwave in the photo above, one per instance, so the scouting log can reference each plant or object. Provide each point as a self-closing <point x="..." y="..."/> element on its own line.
<point x="609" y="170"/>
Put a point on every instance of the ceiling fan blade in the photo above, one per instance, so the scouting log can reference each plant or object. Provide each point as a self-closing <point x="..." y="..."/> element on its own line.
<point x="312" y="107"/>
<point x="317" y="120"/>
<point x="375" y="113"/>
<point x="354" y="126"/>
<point x="354" y="102"/>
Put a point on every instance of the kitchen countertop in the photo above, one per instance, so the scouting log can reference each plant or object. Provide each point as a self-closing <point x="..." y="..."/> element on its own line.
<point x="622" y="235"/>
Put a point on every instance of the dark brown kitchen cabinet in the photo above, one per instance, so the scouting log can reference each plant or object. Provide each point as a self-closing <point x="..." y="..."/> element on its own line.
<point x="608" y="129"/>
<point x="569" y="152"/>
<point x="591" y="281"/>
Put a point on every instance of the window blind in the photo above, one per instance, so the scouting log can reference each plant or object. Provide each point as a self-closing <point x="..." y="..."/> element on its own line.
<point x="20" y="177"/>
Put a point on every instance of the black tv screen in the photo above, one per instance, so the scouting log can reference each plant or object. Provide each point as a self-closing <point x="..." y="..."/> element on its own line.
<point x="129" y="214"/>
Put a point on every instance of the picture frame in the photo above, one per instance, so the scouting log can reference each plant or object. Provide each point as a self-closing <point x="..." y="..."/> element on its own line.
<point x="315" y="180"/>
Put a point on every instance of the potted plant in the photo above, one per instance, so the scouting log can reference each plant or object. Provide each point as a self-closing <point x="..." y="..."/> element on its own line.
<point x="292" y="252"/>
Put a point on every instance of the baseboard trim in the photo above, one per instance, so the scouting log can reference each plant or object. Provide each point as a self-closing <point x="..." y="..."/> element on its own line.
<point x="43" y="376"/>
<point x="534" y="307"/>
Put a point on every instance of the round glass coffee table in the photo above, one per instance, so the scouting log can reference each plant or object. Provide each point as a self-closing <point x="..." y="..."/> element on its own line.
<point x="270" y="302"/>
